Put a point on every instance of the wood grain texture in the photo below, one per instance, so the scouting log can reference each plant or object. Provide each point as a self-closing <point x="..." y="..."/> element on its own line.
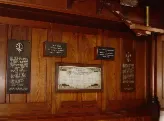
<point x="38" y="64"/>
<point x="101" y="102"/>
<point x="113" y="68"/>
<point x="54" y="35"/>
<point x="87" y="42"/>
<point x="87" y="8"/>
<point x="80" y="42"/>
<point x="160" y="70"/>
<point x="140" y="71"/>
<point x="21" y="109"/>
<point x="3" y="45"/>
<point x="72" y="57"/>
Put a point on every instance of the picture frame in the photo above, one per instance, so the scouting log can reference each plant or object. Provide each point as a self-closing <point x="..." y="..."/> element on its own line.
<point x="76" y="77"/>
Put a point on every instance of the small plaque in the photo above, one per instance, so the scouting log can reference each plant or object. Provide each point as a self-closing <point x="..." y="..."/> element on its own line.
<point x="56" y="49"/>
<point x="104" y="53"/>
<point x="130" y="3"/>
<point x="18" y="66"/>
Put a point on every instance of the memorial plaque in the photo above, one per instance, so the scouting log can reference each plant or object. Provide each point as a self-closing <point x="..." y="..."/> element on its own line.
<point x="78" y="77"/>
<point x="128" y="73"/>
<point x="56" y="49"/>
<point x="104" y="53"/>
<point x="18" y="66"/>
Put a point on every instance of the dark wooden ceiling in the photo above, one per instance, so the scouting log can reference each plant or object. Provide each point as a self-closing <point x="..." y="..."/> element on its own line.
<point x="152" y="3"/>
<point x="142" y="3"/>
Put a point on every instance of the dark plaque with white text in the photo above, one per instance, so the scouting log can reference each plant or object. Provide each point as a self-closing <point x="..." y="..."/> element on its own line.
<point x="18" y="66"/>
<point x="57" y="49"/>
<point x="104" y="53"/>
<point x="128" y="72"/>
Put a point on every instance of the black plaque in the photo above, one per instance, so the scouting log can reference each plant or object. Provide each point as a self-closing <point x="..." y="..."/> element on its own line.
<point x="56" y="49"/>
<point x="18" y="66"/>
<point x="104" y="53"/>
<point x="128" y="77"/>
<point x="128" y="72"/>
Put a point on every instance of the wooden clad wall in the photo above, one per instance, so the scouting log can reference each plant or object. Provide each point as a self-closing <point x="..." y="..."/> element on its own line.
<point x="160" y="71"/>
<point x="81" y="42"/>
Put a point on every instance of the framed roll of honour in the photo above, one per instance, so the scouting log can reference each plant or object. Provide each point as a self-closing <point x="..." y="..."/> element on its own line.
<point x="78" y="77"/>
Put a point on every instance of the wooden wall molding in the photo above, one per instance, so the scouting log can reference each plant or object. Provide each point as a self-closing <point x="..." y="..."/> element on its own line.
<point x="24" y="109"/>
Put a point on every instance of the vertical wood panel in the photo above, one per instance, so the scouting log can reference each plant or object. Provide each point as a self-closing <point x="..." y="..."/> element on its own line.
<point x="140" y="71"/>
<point x="113" y="68"/>
<point x="160" y="70"/>
<point x="38" y="67"/>
<point x="72" y="57"/>
<point x="3" y="45"/>
<point x="55" y="36"/>
<point x="86" y="51"/>
<point x="101" y="95"/>
<point x="18" y="33"/>
<point x="104" y="75"/>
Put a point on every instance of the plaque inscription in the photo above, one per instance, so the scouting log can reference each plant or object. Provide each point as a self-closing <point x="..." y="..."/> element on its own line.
<point x="56" y="49"/>
<point x="128" y="73"/>
<point x="18" y="66"/>
<point x="104" y="53"/>
<point x="78" y="77"/>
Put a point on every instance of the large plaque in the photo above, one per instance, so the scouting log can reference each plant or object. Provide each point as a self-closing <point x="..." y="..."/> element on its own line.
<point x="104" y="53"/>
<point x="128" y="73"/>
<point x="18" y="66"/>
<point x="78" y="77"/>
<point x="57" y="49"/>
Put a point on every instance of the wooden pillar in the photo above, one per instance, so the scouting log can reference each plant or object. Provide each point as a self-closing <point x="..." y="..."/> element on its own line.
<point x="153" y="101"/>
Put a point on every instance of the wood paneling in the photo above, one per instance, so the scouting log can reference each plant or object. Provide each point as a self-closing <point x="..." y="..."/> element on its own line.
<point x="112" y="68"/>
<point x="80" y="42"/>
<point x="160" y="70"/>
<point x="38" y="64"/>
<point x="3" y="45"/>
<point x="140" y="69"/>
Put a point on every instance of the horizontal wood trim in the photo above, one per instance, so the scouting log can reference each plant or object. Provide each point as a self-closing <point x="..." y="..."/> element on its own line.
<point x="37" y="6"/>
<point x="146" y="28"/>
<point x="60" y="27"/>
<point x="95" y="117"/>
<point x="48" y="25"/>
<point x="24" y="109"/>
<point x="23" y="22"/>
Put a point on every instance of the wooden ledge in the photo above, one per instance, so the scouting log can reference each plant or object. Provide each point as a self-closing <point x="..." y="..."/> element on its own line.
<point x="94" y="116"/>
<point x="146" y="28"/>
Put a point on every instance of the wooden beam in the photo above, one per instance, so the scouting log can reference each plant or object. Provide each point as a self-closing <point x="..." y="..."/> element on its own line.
<point x="139" y="30"/>
<point x="115" y="10"/>
<point x="36" y="14"/>
<point x="69" y="3"/>
<point x="146" y="28"/>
